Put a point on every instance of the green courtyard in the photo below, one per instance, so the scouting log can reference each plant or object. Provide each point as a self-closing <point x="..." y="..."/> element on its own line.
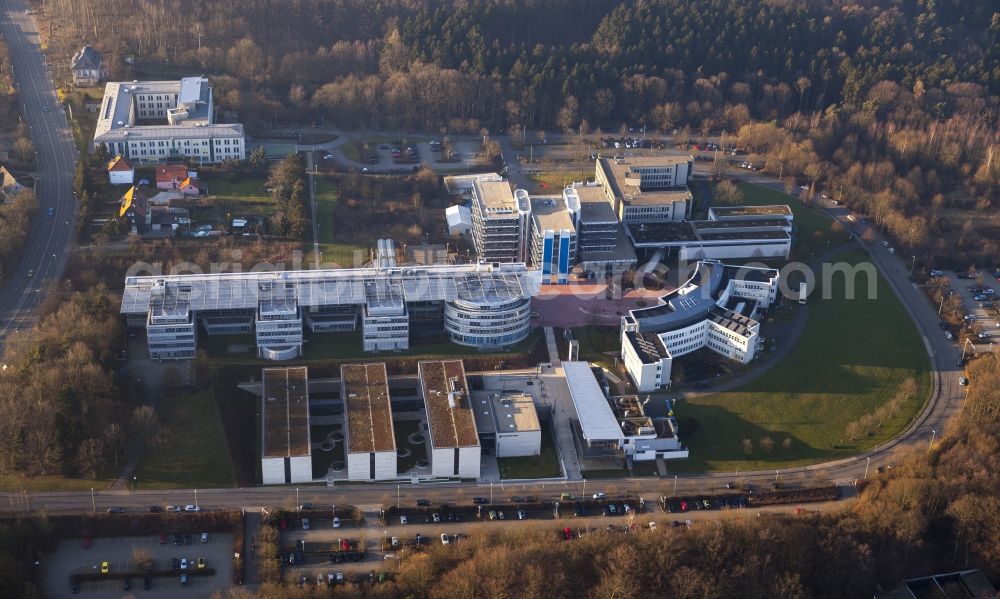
<point x="852" y="359"/>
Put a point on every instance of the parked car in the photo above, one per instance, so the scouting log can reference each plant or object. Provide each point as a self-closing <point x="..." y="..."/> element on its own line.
<point x="116" y="510"/>
<point x="436" y="517"/>
<point x="86" y="542"/>
<point x="480" y="500"/>
<point x="204" y="537"/>
<point x="192" y="508"/>
<point x="184" y="564"/>
<point x="336" y="522"/>
<point x="201" y="563"/>
<point x="305" y="524"/>
<point x="307" y="506"/>
<point x="423" y="502"/>
<point x="403" y="519"/>
<point x="600" y="495"/>
<point x="521" y="515"/>
<point x="184" y="579"/>
<point x="155" y="509"/>
<point x="444" y="539"/>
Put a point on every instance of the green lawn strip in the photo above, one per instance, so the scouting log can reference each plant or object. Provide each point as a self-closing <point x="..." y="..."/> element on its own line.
<point x="326" y="197"/>
<point x="555" y="181"/>
<point x="595" y="341"/>
<point x="850" y="360"/>
<point x="357" y="151"/>
<point x="812" y="227"/>
<point x="544" y="465"/>
<point x="50" y="483"/>
<point x="196" y="456"/>
<point x="344" y="346"/>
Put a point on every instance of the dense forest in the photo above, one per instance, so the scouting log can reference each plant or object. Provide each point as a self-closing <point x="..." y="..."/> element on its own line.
<point x="891" y="105"/>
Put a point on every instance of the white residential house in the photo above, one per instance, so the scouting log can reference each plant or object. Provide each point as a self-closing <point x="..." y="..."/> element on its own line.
<point x="121" y="171"/>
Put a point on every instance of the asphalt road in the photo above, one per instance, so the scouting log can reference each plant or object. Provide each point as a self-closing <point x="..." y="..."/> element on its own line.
<point x="45" y="251"/>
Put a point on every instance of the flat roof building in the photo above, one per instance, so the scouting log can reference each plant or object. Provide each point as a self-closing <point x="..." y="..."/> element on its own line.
<point x="764" y="237"/>
<point x="647" y="189"/>
<point x="285" y="445"/>
<point x="500" y="218"/>
<point x="155" y="121"/>
<point x="369" y="435"/>
<point x="750" y="212"/>
<point x="553" y="239"/>
<point x="453" y="438"/>
<point x="477" y="305"/>
<point x="617" y="426"/>
<point x="508" y="422"/>
<point x="715" y="308"/>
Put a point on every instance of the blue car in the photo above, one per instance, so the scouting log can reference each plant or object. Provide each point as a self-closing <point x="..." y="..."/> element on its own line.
<point x="52" y="211"/>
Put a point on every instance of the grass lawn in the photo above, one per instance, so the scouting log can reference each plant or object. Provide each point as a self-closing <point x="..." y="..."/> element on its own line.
<point x="333" y="252"/>
<point x="812" y="227"/>
<point x="544" y="465"/>
<point x="851" y="359"/>
<point x="196" y="456"/>
<point x="48" y="483"/>
<point x="596" y="341"/>
<point x="360" y="150"/>
<point x="555" y="181"/>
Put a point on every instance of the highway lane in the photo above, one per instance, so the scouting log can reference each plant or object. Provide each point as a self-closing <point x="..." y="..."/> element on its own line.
<point x="45" y="251"/>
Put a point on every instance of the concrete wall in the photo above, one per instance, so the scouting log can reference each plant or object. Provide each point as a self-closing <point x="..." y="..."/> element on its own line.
<point x="443" y="462"/>
<point x="468" y="461"/>
<point x="273" y="471"/>
<point x="385" y="465"/>
<point x="359" y="466"/>
<point x="512" y="445"/>
<point x="302" y="470"/>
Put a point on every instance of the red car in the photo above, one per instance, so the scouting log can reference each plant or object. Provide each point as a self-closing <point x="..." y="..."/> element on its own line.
<point x="86" y="542"/>
<point x="163" y="538"/>
<point x="684" y="506"/>
<point x="567" y="534"/>
<point x="345" y="545"/>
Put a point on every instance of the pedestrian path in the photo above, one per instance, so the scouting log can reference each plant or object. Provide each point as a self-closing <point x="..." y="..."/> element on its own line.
<point x="550" y="342"/>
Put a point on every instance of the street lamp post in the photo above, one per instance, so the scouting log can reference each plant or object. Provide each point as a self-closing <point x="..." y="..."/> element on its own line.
<point x="941" y="305"/>
<point x="491" y="492"/>
<point x="93" y="501"/>
<point x="297" y="504"/>
<point x="675" y="486"/>
<point x="912" y="264"/>
<point x="196" y="498"/>
<point x="397" y="497"/>
<point x="933" y="434"/>
<point x="869" y="463"/>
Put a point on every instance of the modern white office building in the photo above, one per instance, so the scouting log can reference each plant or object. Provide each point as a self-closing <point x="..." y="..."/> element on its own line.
<point x="617" y="426"/>
<point x="500" y="222"/>
<point x="647" y="189"/>
<point x="715" y="308"/>
<point x="695" y="240"/>
<point x="488" y="312"/>
<point x="479" y="305"/>
<point x="286" y="455"/>
<point x="553" y="239"/>
<point x="369" y="435"/>
<point x="156" y="121"/>
<point x="453" y="440"/>
<point x="170" y="325"/>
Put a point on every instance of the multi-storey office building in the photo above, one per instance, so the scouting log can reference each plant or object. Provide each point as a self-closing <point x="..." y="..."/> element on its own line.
<point x="715" y="308"/>
<point x="475" y="304"/>
<point x="500" y="227"/>
<point x="602" y="246"/>
<point x="647" y="189"/>
<point x="553" y="239"/>
<point x="156" y="121"/>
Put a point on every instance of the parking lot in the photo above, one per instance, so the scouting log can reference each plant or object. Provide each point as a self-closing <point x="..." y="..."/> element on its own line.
<point x="984" y="318"/>
<point x="71" y="557"/>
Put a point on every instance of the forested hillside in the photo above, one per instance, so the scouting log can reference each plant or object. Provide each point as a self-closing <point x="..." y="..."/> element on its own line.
<point x="892" y="105"/>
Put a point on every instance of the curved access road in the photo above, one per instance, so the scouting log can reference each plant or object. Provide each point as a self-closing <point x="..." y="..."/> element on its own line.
<point x="45" y="250"/>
